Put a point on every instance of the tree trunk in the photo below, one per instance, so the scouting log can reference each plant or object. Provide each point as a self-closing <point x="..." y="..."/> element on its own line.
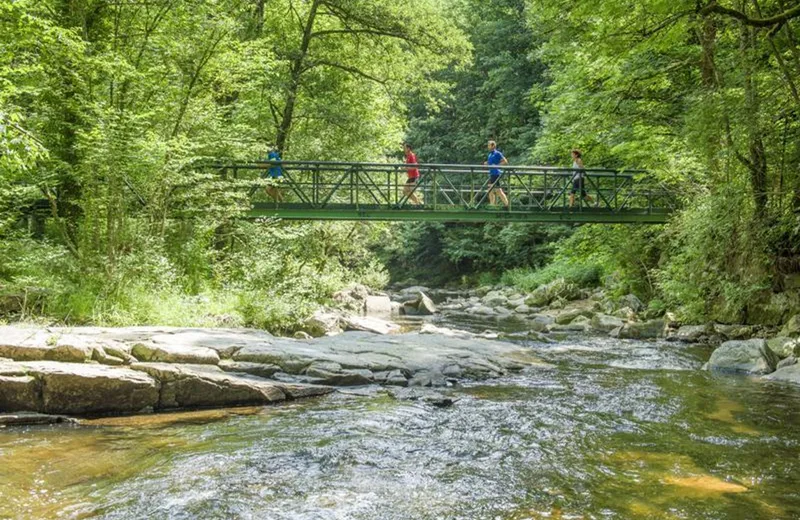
<point x="285" y="126"/>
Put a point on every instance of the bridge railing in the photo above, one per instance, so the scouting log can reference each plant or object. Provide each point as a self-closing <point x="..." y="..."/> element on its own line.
<point x="327" y="184"/>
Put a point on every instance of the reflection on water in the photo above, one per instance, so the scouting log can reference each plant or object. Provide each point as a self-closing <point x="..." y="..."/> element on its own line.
<point x="612" y="430"/>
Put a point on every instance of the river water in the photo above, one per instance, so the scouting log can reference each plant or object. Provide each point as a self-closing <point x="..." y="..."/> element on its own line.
<point x="616" y="429"/>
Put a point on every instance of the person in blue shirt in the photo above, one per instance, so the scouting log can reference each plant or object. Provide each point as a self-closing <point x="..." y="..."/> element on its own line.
<point x="495" y="158"/>
<point x="275" y="175"/>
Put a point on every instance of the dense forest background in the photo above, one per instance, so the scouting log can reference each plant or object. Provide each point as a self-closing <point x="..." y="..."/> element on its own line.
<point x="106" y="106"/>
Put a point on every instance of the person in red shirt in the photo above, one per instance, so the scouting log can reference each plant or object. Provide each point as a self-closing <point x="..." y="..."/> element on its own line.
<point x="413" y="176"/>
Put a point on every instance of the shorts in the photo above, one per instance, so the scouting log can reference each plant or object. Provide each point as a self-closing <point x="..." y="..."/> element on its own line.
<point x="577" y="185"/>
<point x="412" y="181"/>
<point x="494" y="181"/>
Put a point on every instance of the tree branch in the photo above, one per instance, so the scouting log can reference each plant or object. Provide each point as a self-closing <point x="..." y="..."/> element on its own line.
<point x="346" y="68"/>
<point x="778" y="19"/>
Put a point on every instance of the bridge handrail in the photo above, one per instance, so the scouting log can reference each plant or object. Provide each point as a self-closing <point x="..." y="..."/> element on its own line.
<point x="449" y="168"/>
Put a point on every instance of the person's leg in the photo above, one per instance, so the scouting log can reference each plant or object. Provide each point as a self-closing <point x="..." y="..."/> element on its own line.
<point x="503" y="196"/>
<point x="411" y="193"/>
<point x="571" y="199"/>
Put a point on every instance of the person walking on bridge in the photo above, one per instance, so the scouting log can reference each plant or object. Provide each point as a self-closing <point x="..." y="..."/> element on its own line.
<point x="579" y="174"/>
<point x="495" y="158"/>
<point x="275" y="175"/>
<point x="409" y="190"/>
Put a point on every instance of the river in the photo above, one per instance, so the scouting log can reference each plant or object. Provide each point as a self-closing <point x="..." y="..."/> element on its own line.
<point x="616" y="429"/>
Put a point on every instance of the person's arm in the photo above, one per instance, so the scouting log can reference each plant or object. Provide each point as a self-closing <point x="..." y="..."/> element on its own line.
<point x="580" y="163"/>
<point x="504" y="161"/>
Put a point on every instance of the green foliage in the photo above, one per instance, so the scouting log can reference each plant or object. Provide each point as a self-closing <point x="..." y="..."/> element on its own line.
<point x="716" y="260"/>
<point x="444" y="252"/>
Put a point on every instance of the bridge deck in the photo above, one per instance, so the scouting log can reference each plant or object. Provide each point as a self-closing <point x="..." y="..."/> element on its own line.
<point x="450" y="193"/>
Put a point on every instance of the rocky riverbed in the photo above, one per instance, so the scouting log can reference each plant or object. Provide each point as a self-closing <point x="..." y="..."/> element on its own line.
<point x="141" y="369"/>
<point x="90" y="370"/>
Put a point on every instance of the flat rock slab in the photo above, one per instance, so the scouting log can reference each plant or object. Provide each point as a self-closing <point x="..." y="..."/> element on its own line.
<point x="406" y="354"/>
<point x="191" y="367"/>
<point x="74" y="388"/>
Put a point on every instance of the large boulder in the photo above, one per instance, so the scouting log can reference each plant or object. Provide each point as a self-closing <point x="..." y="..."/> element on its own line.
<point x="630" y="300"/>
<point x="352" y="298"/>
<point x="495" y="299"/>
<point x="792" y="327"/>
<point x="694" y="333"/>
<point x="378" y="305"/>
<point x="567" y="315"/>
<point x="650" y="329"/>
<point x="743" y="357"/>
<point x="540" y="322"/>
<point x="421" y="306"/>
<point x="784" y="347"/>
<point x="547" y="293"/>
<point x="322" y="323"/>
<point x="606" y="323"/>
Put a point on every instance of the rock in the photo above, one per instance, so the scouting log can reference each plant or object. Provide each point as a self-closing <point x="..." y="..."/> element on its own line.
<point x="379" y="305"/>
<point x="546" y="294"/>
<point x="428" y="378"/>
<point x="792" y="327"/>
<point x="540" y="322"/>
<point x="370" y="324"/>
<point x="791" y="281"/>
<point x="495" y="299"/>
<point x="523" y="309"/>
<point x="482" y="291"/>
<point x="429" y="328"/>
<point x="579" y="324"/>
<point x="172" y="353"/>
<point x="746" y="357"/>
<point x="694" y="333"/>
<point x="391" y="378"/>
<point x="789" y="361"/>
<point x="567" y="315"/>
<point x="20" y="392"/>
<point x="302" y="335"/>
<point x="185" y="386"/>
<point x="770" y="308"/>
<point x="606" y="323"/>
<point x="352" y="298"/>
<point x="631" y="301"/>
<point x="789" y="374"/>
<point x="625" y="313"/>
<point x="616" y="332"/>
<point x="784" y="347"/>
<point x="322" y="323"/>
<point x="482" y="310"/>
<point x="330" y="373"/>
<point x="33" y="418"/>
<point x="733" y="331"/>
<point x="415" y="290"/>
<point x="264" y="370"/>
<point x="75" y="388"/>
<point x="421" y="306"/>
<point x="643" y="330"/>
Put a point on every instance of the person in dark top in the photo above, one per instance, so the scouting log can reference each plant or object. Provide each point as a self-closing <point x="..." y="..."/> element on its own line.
<point x="413" y="176"/>
<point x="579" y="174"/>
<point x="495" y="158"/>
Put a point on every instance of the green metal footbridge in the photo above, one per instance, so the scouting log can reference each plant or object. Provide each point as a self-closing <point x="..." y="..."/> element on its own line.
<point x="325" y="190"/>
